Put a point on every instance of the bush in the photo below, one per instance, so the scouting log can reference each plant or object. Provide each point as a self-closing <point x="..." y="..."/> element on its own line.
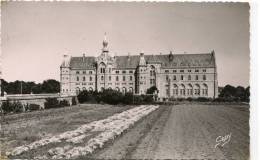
<point x="203" y="99"/>
<point x="51" y="103"/>
<point x="17" y="107"/>
<point x="112" y="96"/>
<point x="148" y="98"/>
<point x="88" y="96"/>
<point x="128" y="98"/>
<point x="8" y="107"/>
<point x="74" y="101"/>
<point x="64" y="103"/>
<point x="33" y="107"/>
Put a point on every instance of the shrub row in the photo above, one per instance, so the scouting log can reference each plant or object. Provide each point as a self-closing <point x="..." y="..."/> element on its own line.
<point x="55" y="103"/>
<point x="204" y="99"/>
<point x="110" y="96"/>
<point x="16" y="106"/>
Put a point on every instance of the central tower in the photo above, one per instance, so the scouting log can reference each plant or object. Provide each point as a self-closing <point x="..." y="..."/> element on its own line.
<point x="105" y="44"/>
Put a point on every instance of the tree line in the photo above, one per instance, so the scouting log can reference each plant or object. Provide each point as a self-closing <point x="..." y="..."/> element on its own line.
<point x="18" y="87"/>
<point x="231" y="93"/>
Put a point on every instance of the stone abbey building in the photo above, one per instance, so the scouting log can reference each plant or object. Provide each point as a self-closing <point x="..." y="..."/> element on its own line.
<point x="175" y="75"/>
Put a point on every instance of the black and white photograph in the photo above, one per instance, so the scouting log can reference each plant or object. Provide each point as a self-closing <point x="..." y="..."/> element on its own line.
<point x="125" y="80"/>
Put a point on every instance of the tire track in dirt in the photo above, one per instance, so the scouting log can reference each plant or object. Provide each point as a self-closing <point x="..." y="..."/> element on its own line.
<point x="123" y="147"/>
<point x="148" y="144"/>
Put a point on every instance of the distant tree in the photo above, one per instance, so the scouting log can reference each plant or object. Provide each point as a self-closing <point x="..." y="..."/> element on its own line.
<point x="231" y="93"/>
<point x="151" y="90"/>
<point x="240" y="93"/>
<point x="36" y="89"/>
<point x="228" y="91"/>
<point x="18" y="87"/>
<point x="247" y="94"/>
<point x="50" y="86"/>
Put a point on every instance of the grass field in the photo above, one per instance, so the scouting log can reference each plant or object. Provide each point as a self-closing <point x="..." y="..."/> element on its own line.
<point x="185" y="131"/>
<point x="24" y="128"/>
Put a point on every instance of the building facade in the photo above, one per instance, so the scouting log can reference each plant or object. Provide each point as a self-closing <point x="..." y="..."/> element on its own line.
<point x="174" y="75"/>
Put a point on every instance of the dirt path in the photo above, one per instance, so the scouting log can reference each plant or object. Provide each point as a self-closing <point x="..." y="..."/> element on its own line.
<point x="125" y="146"/>
<point x="191" y="132"/>
<point x="185" y="132"/>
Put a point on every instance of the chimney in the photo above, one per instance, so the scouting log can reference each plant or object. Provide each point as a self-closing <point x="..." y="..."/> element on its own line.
<point x="83" y="57"/>
<point x="170" y="56"/>
<point x="128" y="56"/>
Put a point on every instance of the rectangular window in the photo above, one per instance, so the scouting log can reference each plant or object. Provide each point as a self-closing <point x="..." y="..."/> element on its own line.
<point x="77" y="72"/>
<point x="84" y="72"/>
<point x="123" y="78"/>
<point x="189" y="70"/>
<point x="167" y="77"/>
<point x="182" y="71"/>
<point x="131" y="78"/>
<point x="130" y="71"/>
<point x="196" y="70"/>
<point x="204" y="77"/>
<point x="90" y="72"/>
<point x="174" y="71"/>
<point x="109" y="78"/>
<point x="116" y="78"/>
<point x="174" y="77"/>
<point x="117" y="72"/>
<point x="123" y="71"/>
<point x="181" y="77"/>
<point x="166" y="71"/>
<point x="204" y="70"/>
<point x="197" y="77"/>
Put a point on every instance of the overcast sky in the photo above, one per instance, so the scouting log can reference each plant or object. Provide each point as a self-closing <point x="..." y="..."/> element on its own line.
<point x="35" y="35"/>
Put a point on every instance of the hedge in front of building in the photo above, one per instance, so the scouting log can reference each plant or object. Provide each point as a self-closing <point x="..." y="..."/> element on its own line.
<point x="110" y="96"/>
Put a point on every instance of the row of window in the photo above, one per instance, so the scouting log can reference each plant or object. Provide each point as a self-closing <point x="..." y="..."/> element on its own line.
<point x="109" y="78"/>
<point x="103" y="70"/>
<point x="84" y="78"/>
<point x="189" y="77"/>
<point x="124" y="89"/>
<point x="85" y="84"/>
<point x="152" y="81"/>
<point x="182" y="70"/>
<point x="152" y="72"/>
<point x="188" y="92"/>
<point x="84" y="72"/>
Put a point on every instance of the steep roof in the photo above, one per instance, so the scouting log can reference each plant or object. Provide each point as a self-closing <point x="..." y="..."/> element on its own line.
<point x="82" y="62"/>
<point x="178" y="60"/>
<point x="132" y="61"/>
